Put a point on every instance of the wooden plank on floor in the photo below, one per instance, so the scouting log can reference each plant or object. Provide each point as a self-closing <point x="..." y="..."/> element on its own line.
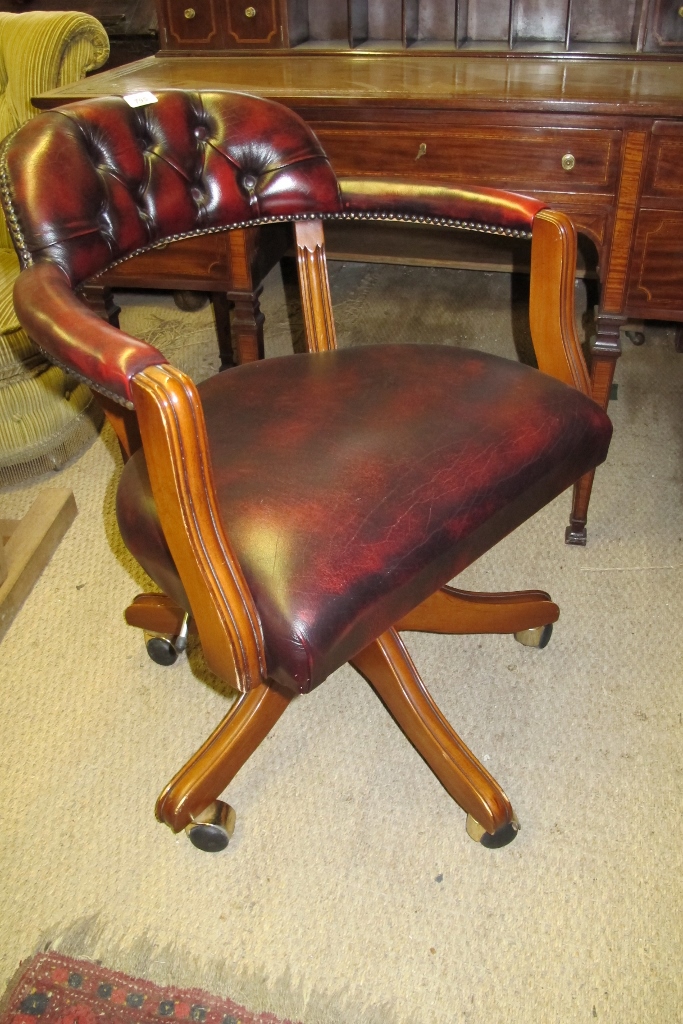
<point x="31" y="546"/>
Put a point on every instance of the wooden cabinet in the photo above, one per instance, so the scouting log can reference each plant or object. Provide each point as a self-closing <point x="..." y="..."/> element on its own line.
<point x="545" y="26"/>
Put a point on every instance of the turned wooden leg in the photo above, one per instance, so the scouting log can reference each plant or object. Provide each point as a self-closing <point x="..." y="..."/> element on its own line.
<point x="462" y="611"/>
<point x="389" y="669"/>
<point x="101" y="301"/>
<point x="217" y="761"/>
<point x="247" y="325"/>
<point x="221" y="315"/>
<point x="606" y="351"/>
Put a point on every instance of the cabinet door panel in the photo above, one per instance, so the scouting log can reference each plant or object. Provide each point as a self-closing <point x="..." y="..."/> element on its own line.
<point x="253" y="23"/>
<point x="512" y="158"/>
<point x="193" y="23"/>
<point x="655" y="279"/>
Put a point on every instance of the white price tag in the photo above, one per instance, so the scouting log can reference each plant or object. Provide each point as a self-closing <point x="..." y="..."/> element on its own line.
<point x="140" y="99"/>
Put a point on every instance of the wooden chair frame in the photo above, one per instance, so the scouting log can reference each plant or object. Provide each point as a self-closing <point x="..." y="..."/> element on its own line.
<point x="173" y="433"/>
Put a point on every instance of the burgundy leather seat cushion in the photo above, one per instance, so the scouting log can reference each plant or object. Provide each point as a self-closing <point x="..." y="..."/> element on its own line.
<point x="353" y="484"/>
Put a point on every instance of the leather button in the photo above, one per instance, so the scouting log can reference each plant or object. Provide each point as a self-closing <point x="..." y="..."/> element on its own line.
<point x="201" y="132"/>
<point x="249" y="182"/>
<point x="196" y="194"/>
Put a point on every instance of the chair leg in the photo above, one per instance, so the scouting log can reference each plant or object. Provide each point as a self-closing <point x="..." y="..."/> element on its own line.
<point x="461" y="611"/>
<point x="214" y="765"/>
<point x="389" y="669"/>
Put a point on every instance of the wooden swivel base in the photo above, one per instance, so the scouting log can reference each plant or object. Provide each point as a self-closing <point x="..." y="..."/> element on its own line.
<point x="190" y="799"/>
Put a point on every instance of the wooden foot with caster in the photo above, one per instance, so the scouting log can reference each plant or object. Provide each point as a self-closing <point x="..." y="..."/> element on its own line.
<point x="388" y="668"/>
<point x="186" y="799"/>
<point x="462" y="611"/>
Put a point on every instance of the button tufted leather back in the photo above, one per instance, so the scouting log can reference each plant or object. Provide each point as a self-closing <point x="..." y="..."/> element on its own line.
<point x="98" y="180"/>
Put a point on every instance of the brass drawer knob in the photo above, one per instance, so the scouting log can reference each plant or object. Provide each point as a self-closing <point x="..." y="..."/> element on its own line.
<point x="680" y="12"/>
<point x="189" y="13"/>
<point x="250" y="12"/>
<point x="568" y="162"/>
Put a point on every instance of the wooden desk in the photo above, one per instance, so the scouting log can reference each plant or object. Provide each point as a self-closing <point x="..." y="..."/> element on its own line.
<point x="598" y="137"/>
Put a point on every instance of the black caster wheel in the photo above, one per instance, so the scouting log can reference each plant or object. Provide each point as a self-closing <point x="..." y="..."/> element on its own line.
<point x="495" y="841"/>
<point x="190" y="302"/>
<point x="538" y="637"/>
<point x="636" y="337"/>
<point x="212" y="830"/>
<point x="161" y="650"/>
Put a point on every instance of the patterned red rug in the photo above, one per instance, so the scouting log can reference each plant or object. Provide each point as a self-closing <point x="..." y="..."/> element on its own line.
<point x="54" y="989"/>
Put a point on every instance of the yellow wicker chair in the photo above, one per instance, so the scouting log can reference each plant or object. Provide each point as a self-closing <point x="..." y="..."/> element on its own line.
<point x="45" y="416"/>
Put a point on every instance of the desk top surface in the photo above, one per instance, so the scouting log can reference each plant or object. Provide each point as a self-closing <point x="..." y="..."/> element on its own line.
<point x="570" y="85"/>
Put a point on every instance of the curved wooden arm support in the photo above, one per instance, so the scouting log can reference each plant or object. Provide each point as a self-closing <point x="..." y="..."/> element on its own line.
<point x="462" y="611"/>
<point x="176" y="450"/>
<point x="389" y="669"/>
<point x="551" y="300"/>
<point x="217" y="761"/>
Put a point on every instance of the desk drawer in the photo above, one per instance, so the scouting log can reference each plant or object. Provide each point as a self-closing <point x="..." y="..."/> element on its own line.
<point x="554" y="159"/>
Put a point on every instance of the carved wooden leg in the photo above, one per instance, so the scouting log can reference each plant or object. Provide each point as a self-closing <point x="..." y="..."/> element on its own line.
<point x="606" y="351"/>
<point x="247" y="325"/>
<point x="217" y="761"/>
<point x="221" y="315"/>
<point x="101" y="301"/>
<point x="461" y="611"/>
<point x="388" y="668"/>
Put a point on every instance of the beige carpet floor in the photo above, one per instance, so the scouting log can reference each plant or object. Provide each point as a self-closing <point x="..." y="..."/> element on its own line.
<point x="351" y="893"/>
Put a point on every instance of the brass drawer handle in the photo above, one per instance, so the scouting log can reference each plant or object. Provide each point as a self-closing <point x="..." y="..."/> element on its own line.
<point x="189" y="13"/>
<point x="250" y="12"/>
<point x="568" y="162"/>
<point x="421" y="150"/>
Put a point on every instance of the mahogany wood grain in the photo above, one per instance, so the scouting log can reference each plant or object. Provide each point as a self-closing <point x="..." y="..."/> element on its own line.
<point x="316" y="304"/>
<point x="218" y="760"/>
<point x="174" y="438"/>
<point x="124" y="423"/>
<point x="156" y="613"/>
<point x="551" y="300"/>
<point x="389" y="669"/>
<point x="461" y="611"/>
<point x="614" y="282"/>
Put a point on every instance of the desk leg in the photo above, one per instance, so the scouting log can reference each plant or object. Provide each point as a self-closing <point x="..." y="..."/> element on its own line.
<point x="221" y="315"/>
<point x="606" y="351"/>
<point x="101" y="301"/>
<point x="247" y="318"/>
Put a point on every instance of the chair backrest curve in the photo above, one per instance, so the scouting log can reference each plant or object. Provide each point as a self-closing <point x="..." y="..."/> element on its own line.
<point x="91" y="183"/>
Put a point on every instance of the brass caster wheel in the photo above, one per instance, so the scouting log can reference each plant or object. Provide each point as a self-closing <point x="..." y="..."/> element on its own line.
<point x="212" y="830"/>
<point x="493" y="841"/>
<point x="539" y="637"/>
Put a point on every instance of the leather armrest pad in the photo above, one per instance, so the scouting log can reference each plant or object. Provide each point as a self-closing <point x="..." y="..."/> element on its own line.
<point x="411" y="198"/>
<point x="65" y="329"/>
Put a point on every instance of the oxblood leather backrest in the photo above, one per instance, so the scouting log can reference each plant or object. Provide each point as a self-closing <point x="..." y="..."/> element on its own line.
<point x="123" y="178"/>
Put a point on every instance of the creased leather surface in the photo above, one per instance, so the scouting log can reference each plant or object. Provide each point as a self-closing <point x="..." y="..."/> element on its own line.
<point x="353" y="484"/>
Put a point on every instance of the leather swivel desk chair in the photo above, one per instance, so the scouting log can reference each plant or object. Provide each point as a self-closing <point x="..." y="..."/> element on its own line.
<point x="300" y="512"/>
